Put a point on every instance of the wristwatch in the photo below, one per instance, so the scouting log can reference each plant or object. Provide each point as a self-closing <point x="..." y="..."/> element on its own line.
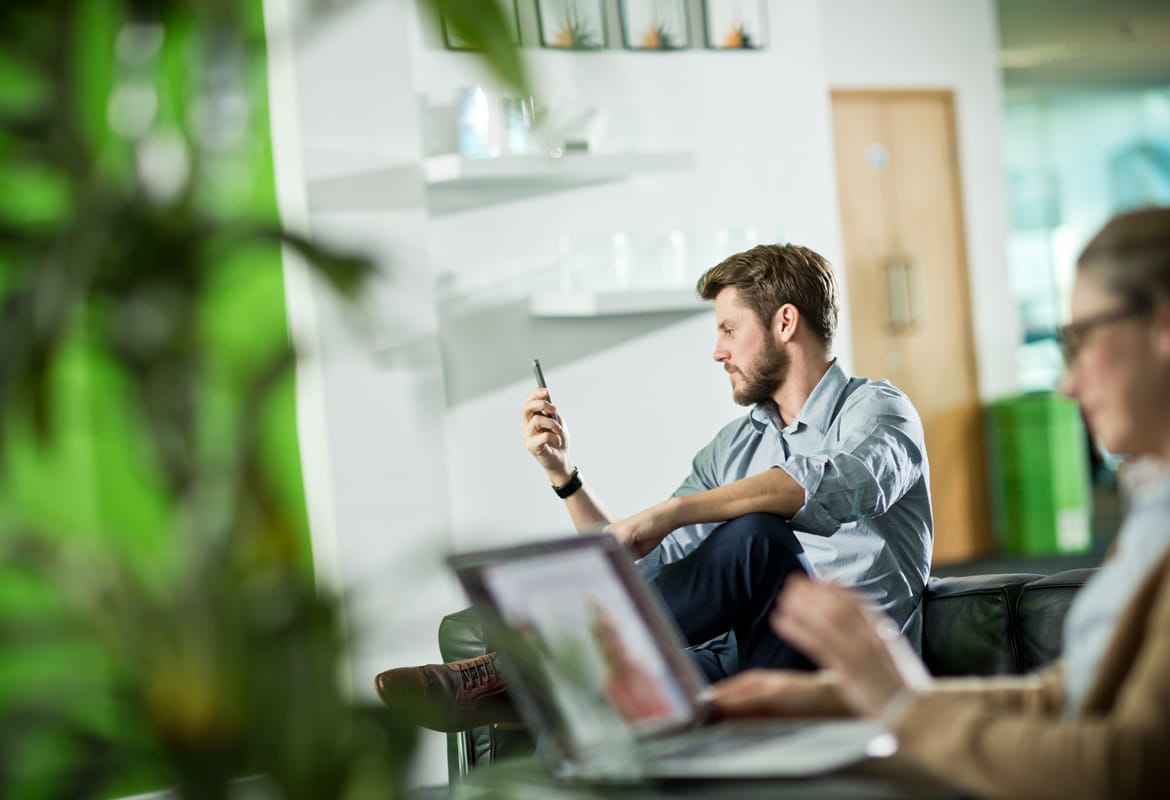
<point x="571" y="485"/>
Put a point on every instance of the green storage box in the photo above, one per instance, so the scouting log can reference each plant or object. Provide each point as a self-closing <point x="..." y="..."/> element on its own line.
<point x="1040" y="475"/>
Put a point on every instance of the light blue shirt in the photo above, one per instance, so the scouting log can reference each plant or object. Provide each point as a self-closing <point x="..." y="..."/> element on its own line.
<point x="1092" y="618"/>
<point x="857" y="448"/>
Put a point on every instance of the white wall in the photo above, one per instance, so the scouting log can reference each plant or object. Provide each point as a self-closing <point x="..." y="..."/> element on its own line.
<point x="416" y="420"/>
<point x="370" y="388"/>
<point x="926" y="44"/>
<point x="640" y="395"/>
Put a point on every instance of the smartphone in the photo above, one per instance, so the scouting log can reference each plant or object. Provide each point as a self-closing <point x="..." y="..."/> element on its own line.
<point x="539" y="373"/>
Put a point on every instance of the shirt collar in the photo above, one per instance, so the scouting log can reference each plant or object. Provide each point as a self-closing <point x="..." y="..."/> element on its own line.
<point x="817" y="411"/>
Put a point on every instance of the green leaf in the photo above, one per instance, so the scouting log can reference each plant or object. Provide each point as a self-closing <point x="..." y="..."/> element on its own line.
<point x="486" y="24"/>
<point x="22" y="88"/>
<point x="33" y="193"/>
<point x="346" y="272"/>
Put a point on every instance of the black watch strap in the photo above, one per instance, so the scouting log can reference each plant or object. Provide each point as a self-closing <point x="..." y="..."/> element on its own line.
<point x="569" y="486"/>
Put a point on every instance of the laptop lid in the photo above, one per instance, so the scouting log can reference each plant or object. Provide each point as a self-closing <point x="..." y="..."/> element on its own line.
<point x="591" y="655"/>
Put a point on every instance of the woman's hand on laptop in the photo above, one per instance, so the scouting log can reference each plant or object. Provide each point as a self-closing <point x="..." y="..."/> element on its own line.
<point x="876" y="667"/>
<point x="778" y="693"/>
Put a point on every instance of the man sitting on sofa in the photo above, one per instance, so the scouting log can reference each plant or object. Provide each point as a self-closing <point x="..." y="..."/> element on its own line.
<point x="826" y="474"/>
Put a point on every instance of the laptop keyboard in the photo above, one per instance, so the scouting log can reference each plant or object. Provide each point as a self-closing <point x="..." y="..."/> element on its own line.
<point x="718" y="740"/>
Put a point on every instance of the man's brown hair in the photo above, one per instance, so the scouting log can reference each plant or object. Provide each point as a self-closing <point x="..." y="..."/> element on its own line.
<point x="770" y="275"/>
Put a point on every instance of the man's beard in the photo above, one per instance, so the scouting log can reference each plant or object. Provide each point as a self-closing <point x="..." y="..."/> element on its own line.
<point x="768" y="371"/>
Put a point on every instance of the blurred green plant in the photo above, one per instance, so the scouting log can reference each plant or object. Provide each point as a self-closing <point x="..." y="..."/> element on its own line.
<point x="159" y="621"/>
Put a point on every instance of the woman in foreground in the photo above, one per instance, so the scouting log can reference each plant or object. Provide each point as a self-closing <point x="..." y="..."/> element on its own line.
<point x="1097" y="724"/>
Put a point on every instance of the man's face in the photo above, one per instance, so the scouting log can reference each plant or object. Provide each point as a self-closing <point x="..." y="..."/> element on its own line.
<point x="747" y="351"/>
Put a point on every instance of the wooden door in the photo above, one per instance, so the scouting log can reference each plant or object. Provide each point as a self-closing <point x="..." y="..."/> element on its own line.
<point x="905" y="261"/>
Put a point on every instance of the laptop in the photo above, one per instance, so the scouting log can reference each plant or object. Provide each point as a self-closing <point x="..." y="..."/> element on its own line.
<point x="598" y="671"/>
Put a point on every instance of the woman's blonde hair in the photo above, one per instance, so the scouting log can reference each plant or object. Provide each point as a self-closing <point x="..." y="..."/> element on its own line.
<point x="1131" y="255"/>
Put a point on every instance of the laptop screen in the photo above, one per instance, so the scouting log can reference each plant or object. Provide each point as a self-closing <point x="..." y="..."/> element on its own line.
<point x="598" y="654"/>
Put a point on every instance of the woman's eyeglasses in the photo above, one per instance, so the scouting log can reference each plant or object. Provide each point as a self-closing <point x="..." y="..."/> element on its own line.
<point x="1070" y="337"/>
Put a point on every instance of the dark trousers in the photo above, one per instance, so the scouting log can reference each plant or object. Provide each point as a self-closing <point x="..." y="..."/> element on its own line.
<point x="722" y="592"/>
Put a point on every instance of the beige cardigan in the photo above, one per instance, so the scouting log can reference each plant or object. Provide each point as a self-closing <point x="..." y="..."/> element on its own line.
<point x="1005" y="737"/>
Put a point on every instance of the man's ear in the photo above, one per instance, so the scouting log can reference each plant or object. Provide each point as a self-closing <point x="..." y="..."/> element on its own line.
<point x="785" y="322"/>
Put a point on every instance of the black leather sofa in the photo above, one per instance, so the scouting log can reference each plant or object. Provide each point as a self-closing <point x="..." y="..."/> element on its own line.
<point x="978" y="625"/>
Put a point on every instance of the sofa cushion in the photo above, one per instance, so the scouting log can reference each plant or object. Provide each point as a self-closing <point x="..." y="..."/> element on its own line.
<point x="968" y="624"/>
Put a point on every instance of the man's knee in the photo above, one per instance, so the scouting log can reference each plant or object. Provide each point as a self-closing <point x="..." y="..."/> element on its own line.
<point x="759" y="529"/>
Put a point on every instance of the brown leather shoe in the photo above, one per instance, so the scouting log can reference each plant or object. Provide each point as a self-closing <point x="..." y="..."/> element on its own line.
<point x="449" y="697"/>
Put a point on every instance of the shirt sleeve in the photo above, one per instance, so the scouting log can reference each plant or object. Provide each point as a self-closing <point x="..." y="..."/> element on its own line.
<point x="705" y="474"/>
<point x="880" y="456"/>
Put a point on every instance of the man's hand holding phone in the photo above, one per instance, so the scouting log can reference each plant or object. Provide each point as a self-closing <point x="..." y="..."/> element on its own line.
<point x="545" y="434"/>
<point x="547" y="438"/>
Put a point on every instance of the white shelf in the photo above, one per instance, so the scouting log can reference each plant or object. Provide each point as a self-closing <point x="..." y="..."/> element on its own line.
<point x="456" y="183"/>
<point x="570" y="168"/>
<point x="385" y="187"/>
<point x="600" y="304"/>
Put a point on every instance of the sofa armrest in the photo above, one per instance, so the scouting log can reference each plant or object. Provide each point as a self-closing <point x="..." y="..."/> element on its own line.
<point x="461" y="635"/>
<point x="1043" y="605"/>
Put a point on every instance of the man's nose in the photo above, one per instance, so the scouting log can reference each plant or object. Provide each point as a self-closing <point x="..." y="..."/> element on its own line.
<point x="721" y="354"/>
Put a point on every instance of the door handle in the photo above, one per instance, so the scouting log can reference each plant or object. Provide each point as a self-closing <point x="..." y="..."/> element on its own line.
<point x="902" y="293"/>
